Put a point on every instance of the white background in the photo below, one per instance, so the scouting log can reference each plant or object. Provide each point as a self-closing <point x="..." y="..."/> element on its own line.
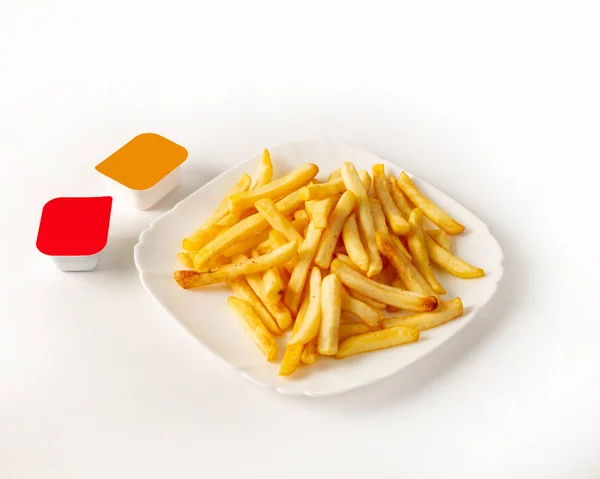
<point x="495" y="103"/>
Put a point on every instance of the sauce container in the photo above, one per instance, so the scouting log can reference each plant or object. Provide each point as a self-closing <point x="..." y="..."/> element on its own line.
<point x="147" y="166"/>
<point x="73" y="231"/>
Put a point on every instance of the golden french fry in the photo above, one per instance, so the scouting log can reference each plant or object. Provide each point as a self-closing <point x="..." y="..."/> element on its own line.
<point x="244" y="246"/>
<point x="365" y="219"/>
<point x="243" y="290"/>
<point x="265" y="170"/>
<point x="369" y="315"/>
<point x="306" y="253"/>
<point x="348" y="330"/>
<point x="451" y="263"/>
<point x="278" y="222"/>
<point x="335" y="174"/>
<point x="245" y="229"/>
<point x="394" y="217"/>
<point x="194" y="279"/>
<point x="445" y="312"/>
<point x="354" y="245"/>
<point x="309" y="352"/>
<point x="309" y="329"/>
<point x="410" y="276"/>
<point x="396" y="283"/>
<point x="435" y="214"/>
<point x="365" y="178"/>
<point x="418" y="250"/>
<point x="186" y="259"/>
<point x="293" y="353"/>
<point x="322" y="209"/>
<point x="208" y="230"/>
<point x="253" y="326"/>
<point x="301" y="215"/>
<point x="322" y="190"/>
<point x="385" y="338"/>
<point x="277" y="309"/>
<point x="365" y="299"/>
<point x="301" y="223"/>
<point x="234" y="218"/>
<point x="283" y="186"/>
<point x="381" y="292"/>
<point x="332" y="232"/>
<point x="331" y="308"/>
<point x="441" y="238"/>
<point x="381" y="226"/>
<point x="273" y="284"/>
<point x="277" y="240"/>
<point x="399" y="197"/>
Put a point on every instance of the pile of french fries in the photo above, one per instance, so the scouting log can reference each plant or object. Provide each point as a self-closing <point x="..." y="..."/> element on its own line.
<point x="340" y="262"/>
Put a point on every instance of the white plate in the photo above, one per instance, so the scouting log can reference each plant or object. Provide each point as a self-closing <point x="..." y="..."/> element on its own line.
<point x="204" y="312"/>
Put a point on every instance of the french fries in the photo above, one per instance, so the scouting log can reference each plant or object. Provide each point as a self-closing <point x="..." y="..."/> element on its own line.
<point x="309" y="329"/>
<point x="354" y="247"/>
<point x="253" y="326"/>
<point x="243" y="290"/>
<point x="397" y="223"/>
<point x="331" y="308"/>
<point x="399" y="197"/>
<point x="298" y="276"/>
<point x="385" y="338"/>
<point x="332" y="232"/>
<point x="451" y="263"/>
<point x="369" y="315"/>
<point x="435" y="214"/>
<point x="194" y="279"/>
<point x="367" y="228"/>
<point x="208" y="230"/>
<point x="447" y="311"/>
<point x="265" y="170"/>
<point x="275" y="189"/>
<point x="293" y="227"/>
<point x="418" y="250"/>
<point x="381" y="292"/>
<point x="277" y="221"/>
<point x="441" y="238"/>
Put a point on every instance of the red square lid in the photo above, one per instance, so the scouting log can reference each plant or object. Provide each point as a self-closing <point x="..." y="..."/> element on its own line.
<point x="74" y="226"/>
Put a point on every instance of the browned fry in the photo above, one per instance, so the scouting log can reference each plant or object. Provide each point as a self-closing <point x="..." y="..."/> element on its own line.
<point x="445" y="312"/>
<point x="385" y="338"/>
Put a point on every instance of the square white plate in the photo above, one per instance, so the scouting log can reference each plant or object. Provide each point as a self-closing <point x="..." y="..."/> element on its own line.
<point x="205" y="314"/>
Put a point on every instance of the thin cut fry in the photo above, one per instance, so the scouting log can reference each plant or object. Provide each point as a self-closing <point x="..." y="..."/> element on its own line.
<point x="331" y="308"/>
<point x="247" y="244"/>
<point x="441" y="238"/>
<point x="396" y="221"/>
<point x="309" y="329"/>
<point x="273" y="284"/>
<point x="362" y="310"/>
<point x="301" y="215"/>
<point x="333" y="187"/>
<point x="381" y="226"/>
<point x="354" y="245"/>
<point x="451" y="263"/>
<point x="446" y="312"/>
<point x="309" y="352"/>
<point x="348" y="330"/>
<point x="243" y="290"/>
<point x="186" y="259"/>
<point x="332" y="232"/>
<point x="381" y="292"/>
<point x="208" y="230"/>
<point x="418" y="250"/>
<point x="277" y="309"/>
<point x="322" y="209"/>
<point x="306" y="253"/>
<point x="367" y="228"/>
<point x="385" y="338"/>
<point x="410" y="276"/>
<point x="293" y="353"/>
<point x="365" y="299"/>
<point x="435" y="214"/>
<point x="234" y="218"/>
<point x="399" y="198"/>
<point x="275" y="189"/>
<point x="278" y="240"/>
<point x="265" y="170"/>
<point x="277" y="221"/>
<point x="245" y="229"/>
<point x="194" y="279"/>
<point x="253" y="326"/>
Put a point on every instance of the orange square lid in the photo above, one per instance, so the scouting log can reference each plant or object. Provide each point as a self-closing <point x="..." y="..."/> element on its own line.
<point x="144" y="161"/>
<point x="74" y="226"/>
